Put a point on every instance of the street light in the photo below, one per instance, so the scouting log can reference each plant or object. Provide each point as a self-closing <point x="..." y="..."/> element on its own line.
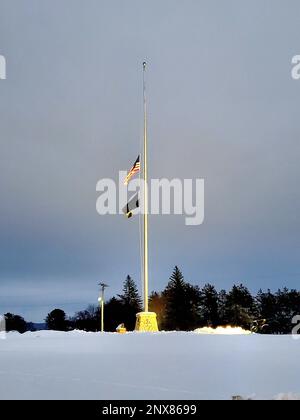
<point x="101" y="303"/>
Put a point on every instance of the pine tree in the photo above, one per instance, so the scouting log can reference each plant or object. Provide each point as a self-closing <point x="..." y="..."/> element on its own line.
<point x="182" y="302"/>
<point x="240" y="307"/>
<point x="131" y="302"/>
<point x="130" y="296"/>
<point x="267" y="309"/>
<point x="287" y="304"/>
<point x="209" y="306"/>
<point x="222" y="300"/>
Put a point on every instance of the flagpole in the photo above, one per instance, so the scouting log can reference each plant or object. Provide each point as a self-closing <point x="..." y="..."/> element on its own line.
<point x="145" y="321"/>
<point x="145" y="177"/>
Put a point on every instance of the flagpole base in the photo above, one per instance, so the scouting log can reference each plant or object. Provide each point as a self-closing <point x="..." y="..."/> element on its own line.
<point x="146" y="322"/>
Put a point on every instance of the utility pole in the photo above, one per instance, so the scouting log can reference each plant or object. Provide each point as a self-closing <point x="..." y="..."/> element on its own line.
<point x="101" y="302"/>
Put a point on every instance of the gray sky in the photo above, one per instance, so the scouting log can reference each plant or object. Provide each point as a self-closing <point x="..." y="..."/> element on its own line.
<point x="222" y="106"/>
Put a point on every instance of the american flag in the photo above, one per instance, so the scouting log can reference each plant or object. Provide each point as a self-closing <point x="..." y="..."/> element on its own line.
<point x="134" y="170"/>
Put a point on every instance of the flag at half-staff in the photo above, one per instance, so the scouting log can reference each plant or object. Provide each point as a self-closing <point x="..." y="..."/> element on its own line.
<point x="132" y="204"/>
<point x="134" y="170"/>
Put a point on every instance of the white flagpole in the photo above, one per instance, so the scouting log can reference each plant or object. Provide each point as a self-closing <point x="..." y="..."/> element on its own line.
<point x="145" y="177"/>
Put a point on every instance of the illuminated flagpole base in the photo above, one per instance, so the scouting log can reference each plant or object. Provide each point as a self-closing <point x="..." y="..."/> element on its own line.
<point x="146" y="322"/>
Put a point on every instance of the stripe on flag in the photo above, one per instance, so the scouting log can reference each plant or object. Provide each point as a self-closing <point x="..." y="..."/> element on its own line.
<point x="134" y="170"/>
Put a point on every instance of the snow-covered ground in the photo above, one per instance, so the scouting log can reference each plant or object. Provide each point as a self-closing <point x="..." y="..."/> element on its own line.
<point x="78" y="365"/>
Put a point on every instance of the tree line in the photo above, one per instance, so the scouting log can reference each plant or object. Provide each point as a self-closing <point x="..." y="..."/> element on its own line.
<point x="182" y="306"/>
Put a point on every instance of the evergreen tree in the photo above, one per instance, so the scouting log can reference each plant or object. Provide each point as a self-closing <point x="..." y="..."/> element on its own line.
<point x="209" y="306"/>
<point x="267" y="309"/>
<point x="182" y="303"/>
<point x="240" y="307"/>
<point x="56" y="320"/>
<point x="131" y="303"/>
<point x="288" y="305"/>
<point x="222" y="302"/>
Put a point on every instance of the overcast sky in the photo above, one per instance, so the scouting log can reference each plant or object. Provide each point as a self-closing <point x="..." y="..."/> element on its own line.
<point x="222" y="106"/>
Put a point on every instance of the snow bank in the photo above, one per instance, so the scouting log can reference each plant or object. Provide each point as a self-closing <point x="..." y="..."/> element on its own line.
<point x="79" y="365"/>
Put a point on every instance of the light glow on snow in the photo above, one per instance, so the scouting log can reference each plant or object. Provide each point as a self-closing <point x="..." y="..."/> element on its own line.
<point x="223" y="330"/>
